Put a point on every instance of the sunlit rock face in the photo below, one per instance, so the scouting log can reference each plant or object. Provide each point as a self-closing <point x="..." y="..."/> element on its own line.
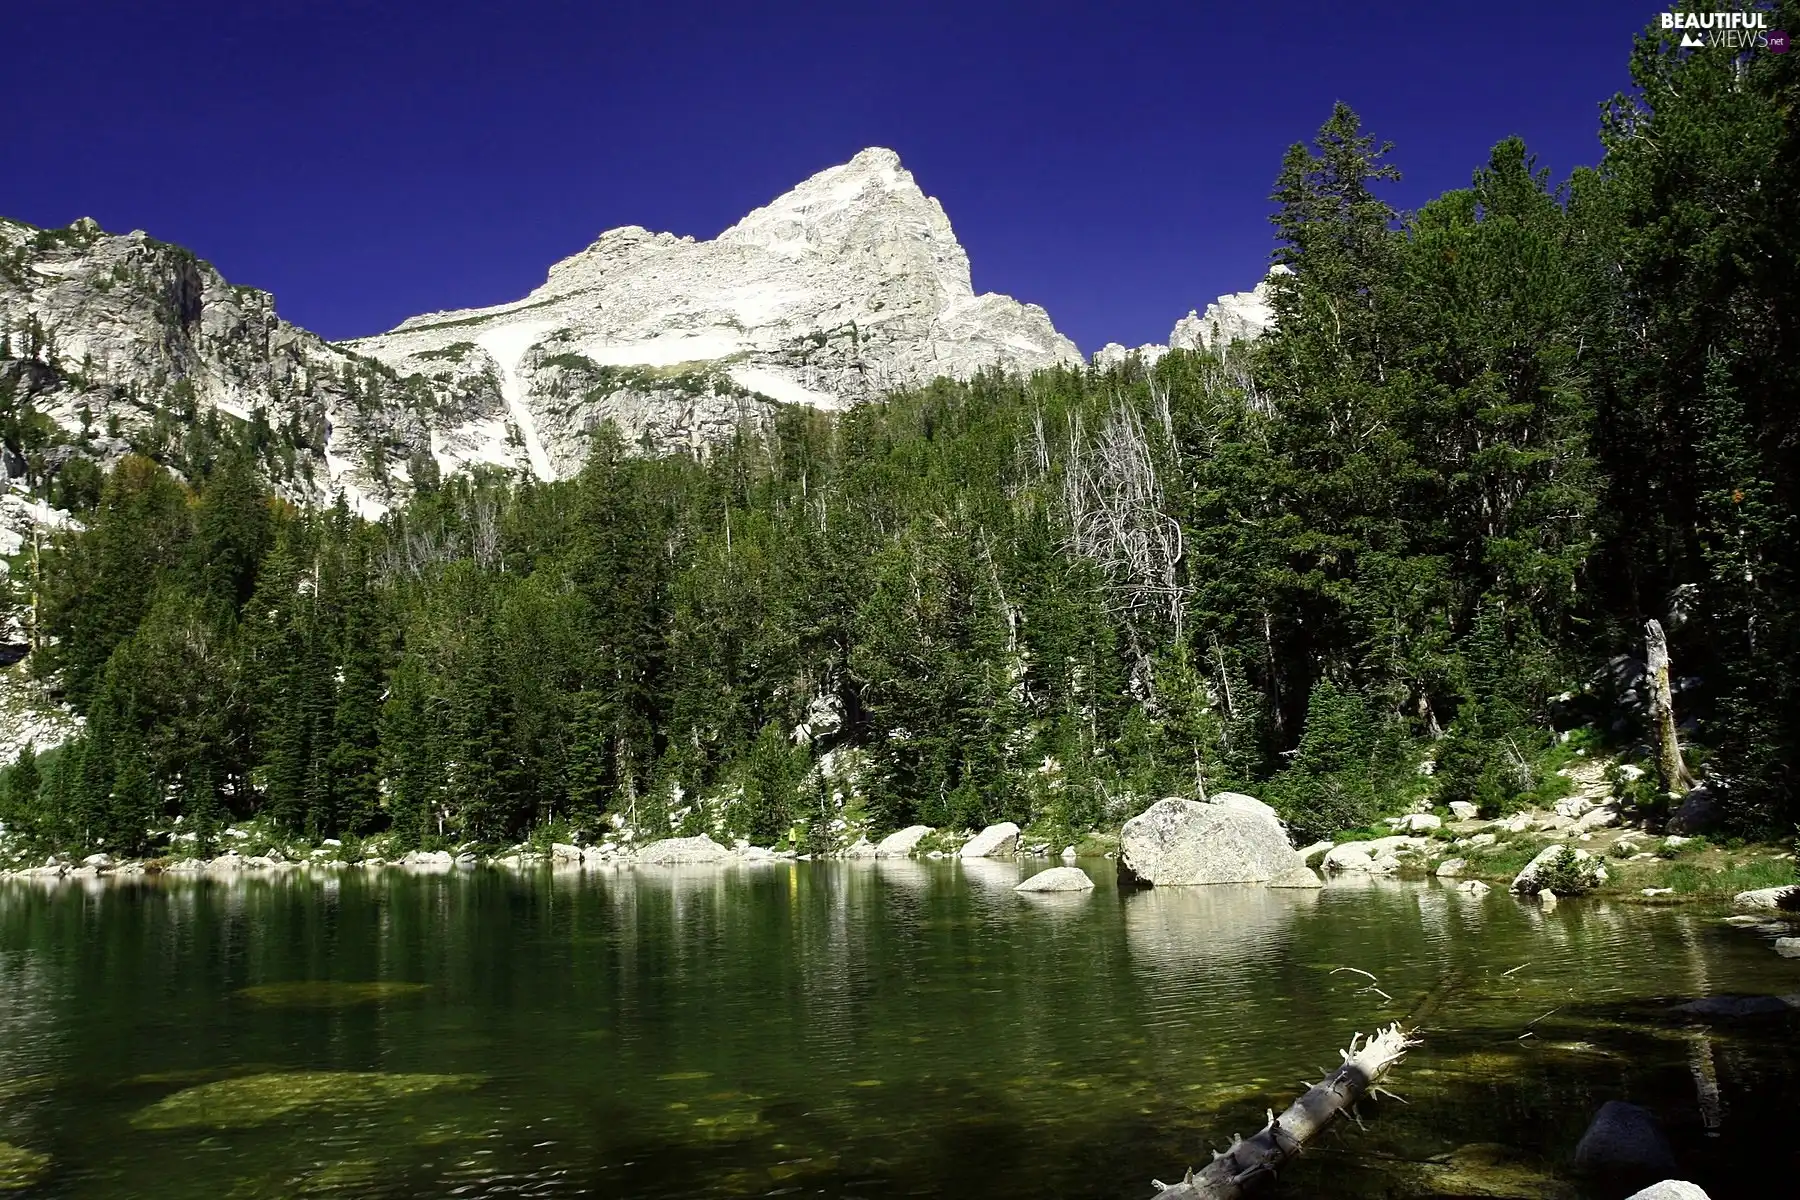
<point x="1238" y="317"/>
<point x="849" y="285"/>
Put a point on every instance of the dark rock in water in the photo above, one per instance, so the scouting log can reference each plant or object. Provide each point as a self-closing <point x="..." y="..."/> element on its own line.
<point x="1740" y="1006"/>
<point x="1625" y="1142"/>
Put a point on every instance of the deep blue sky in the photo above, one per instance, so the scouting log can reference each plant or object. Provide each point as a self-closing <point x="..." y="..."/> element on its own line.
<point x="1110" y="161"/>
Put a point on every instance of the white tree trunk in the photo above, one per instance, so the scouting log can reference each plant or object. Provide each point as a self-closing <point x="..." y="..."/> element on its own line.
<point x="1254" y="1160"/>
<point x="1669" y="763"/>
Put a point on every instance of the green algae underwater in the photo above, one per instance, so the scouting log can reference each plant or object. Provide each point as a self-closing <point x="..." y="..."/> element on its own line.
<point x="850" y="1030"/>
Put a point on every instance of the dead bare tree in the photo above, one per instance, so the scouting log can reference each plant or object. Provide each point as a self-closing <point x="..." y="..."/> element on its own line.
<point x="1252" y="1161"/>
<point x="1115" y="508"/>
<point x="483" y="519"/>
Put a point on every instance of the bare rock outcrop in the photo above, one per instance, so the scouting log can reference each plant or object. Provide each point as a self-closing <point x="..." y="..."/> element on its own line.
<point x="1231" y="839"/>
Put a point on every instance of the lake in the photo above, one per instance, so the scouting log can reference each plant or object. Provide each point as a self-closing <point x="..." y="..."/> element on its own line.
<point x="877" y="1029"/>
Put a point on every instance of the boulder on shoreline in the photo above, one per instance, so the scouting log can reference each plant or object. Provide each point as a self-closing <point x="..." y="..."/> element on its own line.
<point x="1590" y="869"/>
<point x="902" y="843"/>
<point x="1767" y="897"/>
<point x="676" y="852"/>
<point x="1355" y="858"/>
<point x="996" y="841"/>
<point x="1230" y="839"/>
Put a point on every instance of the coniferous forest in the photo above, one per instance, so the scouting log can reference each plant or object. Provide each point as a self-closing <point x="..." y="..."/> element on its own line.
<point x="1428" y="517"/>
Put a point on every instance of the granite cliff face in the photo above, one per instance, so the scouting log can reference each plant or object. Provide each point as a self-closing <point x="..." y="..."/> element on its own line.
<point x="847" y="286"/>
<point x="1241" y="316"/>
<point x="125" y="342"/>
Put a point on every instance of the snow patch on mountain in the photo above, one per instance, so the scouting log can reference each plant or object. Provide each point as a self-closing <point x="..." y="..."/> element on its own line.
<point x="506" y="345"/>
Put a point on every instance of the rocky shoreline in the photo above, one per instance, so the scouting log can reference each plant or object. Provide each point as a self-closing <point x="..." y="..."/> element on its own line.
<point x="996" y="841"/>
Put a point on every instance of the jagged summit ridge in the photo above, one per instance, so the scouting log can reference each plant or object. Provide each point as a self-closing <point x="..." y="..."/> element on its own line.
<point x="848" y="285"/>
<point x="1239" y="316"/>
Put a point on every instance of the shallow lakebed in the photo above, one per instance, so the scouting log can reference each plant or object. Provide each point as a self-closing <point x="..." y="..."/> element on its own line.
<point x="847" y="1029"/>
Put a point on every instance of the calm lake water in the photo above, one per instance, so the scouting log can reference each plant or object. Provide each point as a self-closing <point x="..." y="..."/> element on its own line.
<point x="849" y="1030"/>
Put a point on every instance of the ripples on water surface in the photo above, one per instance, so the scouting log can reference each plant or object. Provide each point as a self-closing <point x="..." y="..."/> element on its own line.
<point x="873" y="1029"/>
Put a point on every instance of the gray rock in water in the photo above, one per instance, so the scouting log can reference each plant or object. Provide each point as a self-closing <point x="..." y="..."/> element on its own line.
<point x="1474" y="887"/>
<point x="862" y="848"/>
<point x="903" y="843"/>
<point x="1297" y="877"/>
<point x="674" y="852"/>
<point x="1788" y="947"/>
<point x="1625" y="1141"/>
<point x="1452" y="867"/>
<point x="1671" y="1189"/>
<point x="996" y="841"/>
<point x="1058" y="879"/>
<point x="1177" y="841"/>
<point x="1069" y="855"/>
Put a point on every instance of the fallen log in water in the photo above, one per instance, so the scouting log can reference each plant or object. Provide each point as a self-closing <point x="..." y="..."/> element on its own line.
<point x="1254" y="1160"/>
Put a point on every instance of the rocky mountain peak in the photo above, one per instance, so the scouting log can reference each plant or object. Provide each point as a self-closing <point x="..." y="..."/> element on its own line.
<point x="847" y="285"/>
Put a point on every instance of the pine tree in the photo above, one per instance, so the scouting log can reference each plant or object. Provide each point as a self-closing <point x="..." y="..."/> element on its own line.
<point x="23" y="783"/>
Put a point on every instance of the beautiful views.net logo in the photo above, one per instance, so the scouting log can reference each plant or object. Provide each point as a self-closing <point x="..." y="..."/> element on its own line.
<point x="1731" y="30"/>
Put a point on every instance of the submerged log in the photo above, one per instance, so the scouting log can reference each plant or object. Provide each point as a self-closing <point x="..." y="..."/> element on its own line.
<point x="1254" y="1160"/>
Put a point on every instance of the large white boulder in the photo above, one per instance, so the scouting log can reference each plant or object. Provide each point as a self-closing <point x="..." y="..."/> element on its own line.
<point x="996" y="841"/>
<point x="675" y="852"/>
<point x="1058" y="879"/>
<point x="902" y="843"/>
<point x="1177" y="841"/>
